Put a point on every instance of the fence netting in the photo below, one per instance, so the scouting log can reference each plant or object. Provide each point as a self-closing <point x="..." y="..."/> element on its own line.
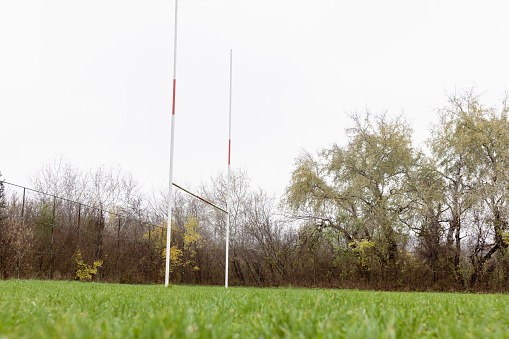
<point x="43" y="233"/>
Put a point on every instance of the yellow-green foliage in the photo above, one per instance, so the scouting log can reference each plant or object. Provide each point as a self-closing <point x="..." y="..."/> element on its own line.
<point x="158" y="238"/>
<point x="191" y="236"/>
<point x="175" y="257"/>
<point x="191" y="243"/>
<point x="505" y="238"/>
<point x="84" y="271"/>
<point x="362" y="246"/>
<point x="362" y="249"/>
<point x="191" y="239"/>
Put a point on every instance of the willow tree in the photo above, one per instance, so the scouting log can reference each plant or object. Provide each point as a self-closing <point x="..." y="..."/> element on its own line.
<point x="473" y="146"/>
<point x="359" y="190"/>
<point x="452" y="163"/>
<point x="481" y="134"/>
<point x="428" y="216"/>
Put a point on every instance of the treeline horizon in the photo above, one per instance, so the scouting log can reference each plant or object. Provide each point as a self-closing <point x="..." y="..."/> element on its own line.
<point x="375" y="213"/>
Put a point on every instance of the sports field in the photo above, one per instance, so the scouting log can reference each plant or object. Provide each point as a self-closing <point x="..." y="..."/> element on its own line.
<point x="49" y="309"/>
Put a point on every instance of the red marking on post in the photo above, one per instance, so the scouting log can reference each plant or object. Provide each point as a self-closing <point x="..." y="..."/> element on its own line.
<point x="229" y="150"/>
<point x="174" y="88"/>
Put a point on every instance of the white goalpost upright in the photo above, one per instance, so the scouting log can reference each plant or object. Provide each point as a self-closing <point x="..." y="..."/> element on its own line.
<point x="228" y="200"/>
<point x="171" y="183"/>
<point x="170" y="188"/>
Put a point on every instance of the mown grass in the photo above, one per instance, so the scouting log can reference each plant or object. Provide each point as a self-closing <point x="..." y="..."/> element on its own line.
<point x="49" y="309"/>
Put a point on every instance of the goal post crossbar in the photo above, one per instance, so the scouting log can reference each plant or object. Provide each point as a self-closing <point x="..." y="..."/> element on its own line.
<point x="196" y="196"/>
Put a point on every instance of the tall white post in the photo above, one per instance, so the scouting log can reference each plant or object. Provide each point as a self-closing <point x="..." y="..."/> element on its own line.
<point x="170" y="189"/>
<point x="228" y="200"/>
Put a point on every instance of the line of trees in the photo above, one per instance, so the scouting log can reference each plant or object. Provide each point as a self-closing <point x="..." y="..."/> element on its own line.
<point x="414" y="216"/>
<point x="377" y="212"/>
<point x="103" y="216"/>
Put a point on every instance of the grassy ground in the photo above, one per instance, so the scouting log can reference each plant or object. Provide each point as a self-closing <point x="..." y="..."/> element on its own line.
<point x="48" y="309"/>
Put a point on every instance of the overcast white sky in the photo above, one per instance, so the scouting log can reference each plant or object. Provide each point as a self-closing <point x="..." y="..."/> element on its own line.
<point x="91" y="80"/>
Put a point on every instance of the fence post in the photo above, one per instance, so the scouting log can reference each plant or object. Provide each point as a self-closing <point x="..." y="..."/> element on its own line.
<point x="51" y="243"/>
<point x="23" y="206"/>
<point x="497" y="273"/>
<point x="101" y="226"/>
<point x="78" y="229"/>
<point x="118" y="244"/>
<point x="23" y="223"/>
<point x="19" y="262"/>
<point x="135" y="242"/>
<point x="314" y="269"/>
<point x="149" y="265"/>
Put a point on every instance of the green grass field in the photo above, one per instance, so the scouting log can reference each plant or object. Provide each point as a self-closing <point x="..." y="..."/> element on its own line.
<point x="49" y="309"/>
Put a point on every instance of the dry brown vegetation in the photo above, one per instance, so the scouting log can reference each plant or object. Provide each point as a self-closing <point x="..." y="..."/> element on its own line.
<point x="376" y="213"/>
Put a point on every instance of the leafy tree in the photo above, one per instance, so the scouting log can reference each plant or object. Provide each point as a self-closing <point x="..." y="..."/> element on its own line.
<point x="157" y="240"/>
<point x="452" y="161"/>
<point x="179" y="257"/>
<point x="359" y="189"/>
<point x="192" y="241"/>
<point x="427" y="191"/>
<point x="479" y="137"/>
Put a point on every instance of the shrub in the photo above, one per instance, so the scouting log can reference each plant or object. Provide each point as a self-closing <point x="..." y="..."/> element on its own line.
<point x="84" y="271"/>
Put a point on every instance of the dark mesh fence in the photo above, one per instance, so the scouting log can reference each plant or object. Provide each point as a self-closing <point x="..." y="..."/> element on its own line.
<point x="41" y="234"/>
